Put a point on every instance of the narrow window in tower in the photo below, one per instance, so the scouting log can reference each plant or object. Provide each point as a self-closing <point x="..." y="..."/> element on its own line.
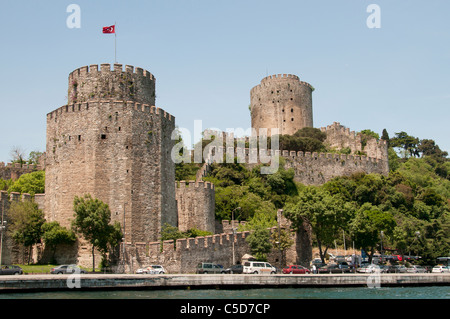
<point x="292" y="119"/>
<point x="292" y="110"/>
<point x="103" y="136"/>
<point x="282" y="110"/>
<point x="291" y="99"/>
<point x="119" y="128"/>
<point x="79" y="138"/>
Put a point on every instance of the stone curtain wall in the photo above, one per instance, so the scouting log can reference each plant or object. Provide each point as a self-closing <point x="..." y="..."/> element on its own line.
<point x="15" y="170"/>
<point x="195" y="205"/>
<point x="339" y="137"/>
<point x="184" y="255"/>
<point x="13" y="253"/>
<point x="281" y="101"/>
<point x="319" y="168"/>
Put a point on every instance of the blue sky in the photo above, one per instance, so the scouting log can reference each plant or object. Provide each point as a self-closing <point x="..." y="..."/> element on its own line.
<point x="207" y="55"/>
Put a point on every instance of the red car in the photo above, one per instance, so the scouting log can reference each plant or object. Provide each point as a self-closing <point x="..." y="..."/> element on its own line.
<point x="295" y="269"/>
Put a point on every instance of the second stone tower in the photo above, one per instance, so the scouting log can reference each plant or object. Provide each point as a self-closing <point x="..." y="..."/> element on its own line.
<point x="281" y="101"/>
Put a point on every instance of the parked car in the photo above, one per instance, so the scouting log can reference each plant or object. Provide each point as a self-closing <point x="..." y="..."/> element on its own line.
<point x="296" y="269"/>
<point x="333" y="269"/>
<point x="209" y="268"/>
<point x="440" y="269"/>
<point x="258" y="267"/>
<point x="235" y="269"/>
<point x="416" y="269"/>
<point x="371" y="268"/>
<point x="152" y="269"/>
<point x="11" y="270"/>
<point x="67" y="269"/>
<point x="400" y="269"/>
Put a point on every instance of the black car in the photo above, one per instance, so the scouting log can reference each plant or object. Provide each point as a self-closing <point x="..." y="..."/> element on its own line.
<point x="11" y="270"/>
<point x="334" y="269"/>
<point x="235" y="269"/>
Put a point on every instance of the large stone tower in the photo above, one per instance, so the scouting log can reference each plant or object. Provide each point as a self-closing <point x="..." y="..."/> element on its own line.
<point x="111" y="142"/>
<point x="281" y="101"/>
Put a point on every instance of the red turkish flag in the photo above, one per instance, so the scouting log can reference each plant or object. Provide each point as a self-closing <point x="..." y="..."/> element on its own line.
<point x="110" y="29"/>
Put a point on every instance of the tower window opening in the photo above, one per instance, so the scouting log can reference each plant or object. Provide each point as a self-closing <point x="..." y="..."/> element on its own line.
<point x="292" y="119"/>
<point x="292" y="110"/>
<point x="79" y="137"/>
<point x="103" y="136"/>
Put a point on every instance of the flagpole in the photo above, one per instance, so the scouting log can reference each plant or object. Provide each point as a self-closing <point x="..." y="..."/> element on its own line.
<point x="115" y="43"/>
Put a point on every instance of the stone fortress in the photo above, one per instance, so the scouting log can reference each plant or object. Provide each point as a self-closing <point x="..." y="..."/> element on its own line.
<point x="112" y="142"/>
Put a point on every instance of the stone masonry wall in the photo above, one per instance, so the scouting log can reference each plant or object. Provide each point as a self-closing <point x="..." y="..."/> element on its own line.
<point x="195" y="205"/>
<point x="13" y="253"/>
<point x="15" y="170"/>
<point x="281" y="101"/>
<point x="339" y="137"/>
<point x="115" y="150"/>
<point x="91" y="83"/>
<point x="184" y="255"/>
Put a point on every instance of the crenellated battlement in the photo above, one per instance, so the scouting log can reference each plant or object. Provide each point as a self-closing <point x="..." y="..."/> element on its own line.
<point x="15" y="170"/>
<point x="339" y="137"/>
<point x="336" y="126"/>
<point x="106" y="69"/>
<point x="194" y="184"/>
<point x="248" y="153"/>
<point x="96" y="82"/>
<point x="277" y="78"/>
<point x="85" y="106"/>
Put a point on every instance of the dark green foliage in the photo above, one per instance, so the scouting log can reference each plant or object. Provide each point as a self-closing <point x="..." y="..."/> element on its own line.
<point x="31" y="183"/>
<point x="54" y="234"/>
<point x="92" y="220"/>
<point x="169" y="232"/>
<point x="26" y="223"/>
<point x="260" y="242"/>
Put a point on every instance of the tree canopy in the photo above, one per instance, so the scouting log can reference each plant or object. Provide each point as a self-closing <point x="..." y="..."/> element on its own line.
<point x="92" y="220"/>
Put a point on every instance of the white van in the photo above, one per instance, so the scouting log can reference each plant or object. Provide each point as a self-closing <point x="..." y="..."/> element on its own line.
<point x="258" y="267"/>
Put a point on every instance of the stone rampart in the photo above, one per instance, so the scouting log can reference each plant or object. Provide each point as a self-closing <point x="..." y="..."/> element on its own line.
<point x="195" y="205"/>
<point x="12" y="252"/>
<point x="311" y="168"/>
<point x="184" y="255"/>
<point x="15" y="170"/>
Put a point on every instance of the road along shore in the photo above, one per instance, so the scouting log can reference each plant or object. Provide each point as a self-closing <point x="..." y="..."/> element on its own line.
<point x="25" y="283"/>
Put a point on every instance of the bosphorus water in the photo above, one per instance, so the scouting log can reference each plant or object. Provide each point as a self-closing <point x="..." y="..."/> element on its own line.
<point x="422" y="292"/>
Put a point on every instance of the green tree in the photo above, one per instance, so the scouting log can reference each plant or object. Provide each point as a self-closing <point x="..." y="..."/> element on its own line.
<point x="260" y="243"/>
<point x="26" y="224"/>
<point x="31" y="183"/>
<point x="54" y="234"/>
<point x="326" y="214"/>
<point x="408" y="143"/>
<point x="367" y="226"/>
<point x="92" y="220"/>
